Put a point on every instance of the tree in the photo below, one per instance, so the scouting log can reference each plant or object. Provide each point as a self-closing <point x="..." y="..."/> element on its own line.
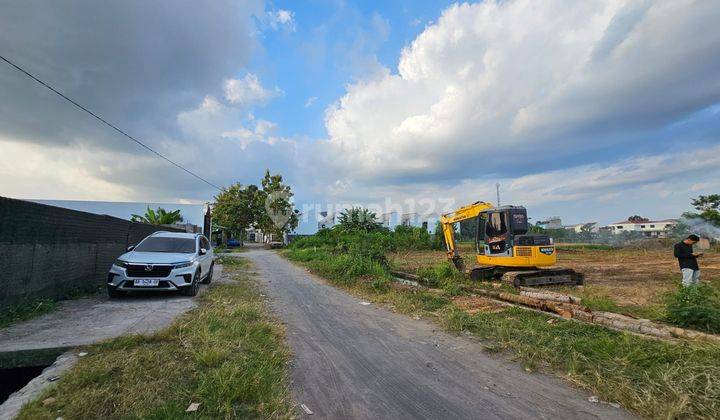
<point x="278" y="216"/>
<point x="269" y="208"/>
<point x="237" y="208"/>
<point x="358" y="219"/>
<point x="159" y="217"/>
<point x="709" y="208"/>
<point x="638" y="219"/>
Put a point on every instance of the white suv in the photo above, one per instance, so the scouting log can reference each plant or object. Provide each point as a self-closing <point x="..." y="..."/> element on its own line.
<point x="163" y="261"/>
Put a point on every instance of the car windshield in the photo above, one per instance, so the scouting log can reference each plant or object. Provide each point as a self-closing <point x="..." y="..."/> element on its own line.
<point x="160" y="244"/>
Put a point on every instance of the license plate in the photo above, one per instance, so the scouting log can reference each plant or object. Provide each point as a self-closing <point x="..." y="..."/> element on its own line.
<point x="146" y="282"/>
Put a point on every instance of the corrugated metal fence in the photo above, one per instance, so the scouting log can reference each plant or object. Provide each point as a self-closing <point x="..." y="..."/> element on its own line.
<point x="50" y="252"/>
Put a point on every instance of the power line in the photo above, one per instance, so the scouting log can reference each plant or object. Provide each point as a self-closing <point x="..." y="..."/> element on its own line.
<point x="101" y="119"/>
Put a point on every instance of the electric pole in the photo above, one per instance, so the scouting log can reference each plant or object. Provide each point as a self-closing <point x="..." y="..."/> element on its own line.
<point x="497" y="189"/>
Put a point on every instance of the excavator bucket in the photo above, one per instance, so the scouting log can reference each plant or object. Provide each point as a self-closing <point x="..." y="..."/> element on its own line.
<point x="459" y="263"/>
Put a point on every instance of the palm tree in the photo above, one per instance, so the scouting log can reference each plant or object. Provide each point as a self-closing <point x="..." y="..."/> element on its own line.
<point x="356" y="219"/>
<point x="159" y="217"/>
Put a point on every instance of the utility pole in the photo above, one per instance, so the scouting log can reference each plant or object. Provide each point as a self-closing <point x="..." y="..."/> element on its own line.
<point x="497" y="189"/>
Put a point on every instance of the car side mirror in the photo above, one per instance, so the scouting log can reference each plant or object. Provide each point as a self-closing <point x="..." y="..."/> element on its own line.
<point x="203" y="251"/>
<point x="130" y="248"/>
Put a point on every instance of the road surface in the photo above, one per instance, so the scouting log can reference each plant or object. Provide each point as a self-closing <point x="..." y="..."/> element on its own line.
<point x="356" y="361"/>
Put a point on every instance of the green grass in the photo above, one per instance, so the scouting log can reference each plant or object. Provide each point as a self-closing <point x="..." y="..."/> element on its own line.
<point x="228" y="355"/>
<point x="26" y="310"/>
<point x="604" y="303"/>
<point x="653" y="378"/>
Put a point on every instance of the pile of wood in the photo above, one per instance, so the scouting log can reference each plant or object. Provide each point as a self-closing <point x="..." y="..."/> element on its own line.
<point x="570" y="307"/>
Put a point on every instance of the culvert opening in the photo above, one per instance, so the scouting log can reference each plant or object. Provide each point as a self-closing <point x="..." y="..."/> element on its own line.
<point x="14" y="379"/>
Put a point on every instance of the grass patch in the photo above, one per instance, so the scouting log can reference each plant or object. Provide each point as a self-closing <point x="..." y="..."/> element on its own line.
<point x="604" y="303"/>
<point x="26" y="310"/>
<point x="228" y="355"/>
<point x="655" y="379"/>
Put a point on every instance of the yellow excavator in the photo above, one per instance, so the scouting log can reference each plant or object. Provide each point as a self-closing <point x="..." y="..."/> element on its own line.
<point x="505" y="250"/>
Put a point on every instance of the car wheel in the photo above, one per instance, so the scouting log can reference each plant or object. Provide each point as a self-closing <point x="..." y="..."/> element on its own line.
<point x="113" y="293"/>
<point x="194" y="287"/>
<point x="209" y="276"/>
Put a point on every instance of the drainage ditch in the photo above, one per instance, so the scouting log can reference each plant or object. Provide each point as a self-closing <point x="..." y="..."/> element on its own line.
<point x="14" y="379"/>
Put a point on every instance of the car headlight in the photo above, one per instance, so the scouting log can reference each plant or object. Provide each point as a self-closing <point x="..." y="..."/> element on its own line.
<point x="183" y="264"/>
<point x="121" y="263"/>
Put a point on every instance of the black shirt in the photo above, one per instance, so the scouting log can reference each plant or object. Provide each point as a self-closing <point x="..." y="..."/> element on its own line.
<point x="684" y="254"/>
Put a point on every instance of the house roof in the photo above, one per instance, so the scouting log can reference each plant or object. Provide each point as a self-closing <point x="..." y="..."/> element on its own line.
<point x="627" y="222"/>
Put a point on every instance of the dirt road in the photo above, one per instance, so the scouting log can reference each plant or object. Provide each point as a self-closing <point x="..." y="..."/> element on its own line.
<point x="357" y="361"/>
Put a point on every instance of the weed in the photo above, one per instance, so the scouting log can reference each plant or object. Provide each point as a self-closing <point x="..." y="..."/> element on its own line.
<point x="26" y="310"/>
<point x="695" y="306"/>
<point x="381" y="285"/>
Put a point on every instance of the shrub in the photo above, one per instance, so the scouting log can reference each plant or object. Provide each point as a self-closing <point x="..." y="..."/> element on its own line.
<point x="411" y="237"/>
<point x="440" y="274"/>
<point x="696" y="307"/>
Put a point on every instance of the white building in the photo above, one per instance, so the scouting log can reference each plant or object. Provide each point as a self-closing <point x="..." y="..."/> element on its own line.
<point x="326" y="220"/>
<point x="583" y="227"/>
<point x="553" y="222"/>
<point x="651" y="228"/>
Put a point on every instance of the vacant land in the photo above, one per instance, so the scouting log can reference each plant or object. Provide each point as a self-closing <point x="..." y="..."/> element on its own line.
<point x="633" y="281"/>
<point x="228" y="355"/>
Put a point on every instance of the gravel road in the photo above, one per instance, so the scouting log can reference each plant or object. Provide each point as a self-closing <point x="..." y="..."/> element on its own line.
<point x="363" y="361"/>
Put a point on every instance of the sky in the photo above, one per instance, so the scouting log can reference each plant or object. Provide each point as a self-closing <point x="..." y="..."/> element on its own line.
<point x="591" y="111"/>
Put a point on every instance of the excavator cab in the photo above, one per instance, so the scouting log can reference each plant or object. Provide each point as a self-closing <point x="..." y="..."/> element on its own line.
<point x="501" y="229"/>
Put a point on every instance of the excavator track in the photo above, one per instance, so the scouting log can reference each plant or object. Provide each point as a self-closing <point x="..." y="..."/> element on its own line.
<point x="544" y="277"/>
<point x="530" y="277"/>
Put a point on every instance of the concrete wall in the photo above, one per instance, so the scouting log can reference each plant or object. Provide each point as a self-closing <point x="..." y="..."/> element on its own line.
<point x="50" y="252"/>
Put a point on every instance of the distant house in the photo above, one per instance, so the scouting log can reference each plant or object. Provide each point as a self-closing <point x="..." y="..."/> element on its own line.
<point x="584" y="227"/>
<point x="553" y="222"/>
<point x="650" y="228"/>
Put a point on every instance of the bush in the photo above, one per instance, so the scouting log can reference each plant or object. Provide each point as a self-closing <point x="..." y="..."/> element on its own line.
<point x="440" y="274"/>
<point x="414" y="238"/>
<point x="696" y="307"/>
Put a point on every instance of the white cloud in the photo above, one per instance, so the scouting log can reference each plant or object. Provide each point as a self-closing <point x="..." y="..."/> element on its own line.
<point x="310" y="101"/>
<point x="522" y="81"/>
<point x="41" y="171"/>
<point x="658" y="186"/>
<point x="248" y="91"/>
<point x="281" y="18"/>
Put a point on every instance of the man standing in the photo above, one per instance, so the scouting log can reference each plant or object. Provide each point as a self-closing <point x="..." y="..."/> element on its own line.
<point x="688" y="260"/>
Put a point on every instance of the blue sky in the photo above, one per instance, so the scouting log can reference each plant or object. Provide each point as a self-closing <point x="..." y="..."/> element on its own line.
<point x="315" y="60"/>
<point x="593" y="110"/>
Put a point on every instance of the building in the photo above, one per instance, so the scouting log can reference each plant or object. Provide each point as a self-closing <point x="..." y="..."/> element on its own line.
<point x="584" y="227"/>
<point x="326" y="220"/>
<point x="650" y="228"/>
<point x="552" y="222"/>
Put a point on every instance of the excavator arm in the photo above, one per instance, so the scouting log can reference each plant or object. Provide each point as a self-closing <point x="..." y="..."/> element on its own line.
<point x="448" y="220"/>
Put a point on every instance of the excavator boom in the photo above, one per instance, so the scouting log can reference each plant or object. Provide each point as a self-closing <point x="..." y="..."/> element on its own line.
<point x="448" y="220"/>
